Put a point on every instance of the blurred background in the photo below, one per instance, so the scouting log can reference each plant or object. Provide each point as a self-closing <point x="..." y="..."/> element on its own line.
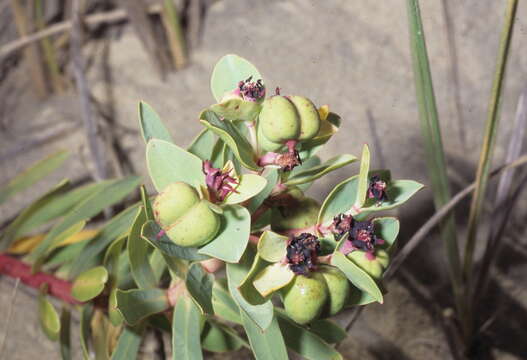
<point x="58" y="72"/>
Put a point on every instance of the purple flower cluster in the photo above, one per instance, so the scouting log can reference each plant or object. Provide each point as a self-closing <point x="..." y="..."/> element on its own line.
<point x="251" y="90"/>
<point x="361" y="235"/>
<point x="302" y="252"/>
<point x="377" y="189"/>
<point x="220" y="183"/>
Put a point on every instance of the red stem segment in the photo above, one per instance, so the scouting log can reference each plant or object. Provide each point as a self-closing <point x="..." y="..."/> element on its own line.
<point x="15" y="268"/>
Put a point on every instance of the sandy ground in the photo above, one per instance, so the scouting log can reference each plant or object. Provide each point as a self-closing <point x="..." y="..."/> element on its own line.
<point x="352" y="55"/>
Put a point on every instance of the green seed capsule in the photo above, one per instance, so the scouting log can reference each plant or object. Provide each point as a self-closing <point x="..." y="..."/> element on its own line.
<point x="279" y="120"/>
<point x="187" y="220"/>
<point x="300" y="215"/>
<point x="304" y="298"/>
<point x="309" y="117"/>
<point x="373" y="265"/>
<point x="266" y="144"/>
<point x="338" y="286"/>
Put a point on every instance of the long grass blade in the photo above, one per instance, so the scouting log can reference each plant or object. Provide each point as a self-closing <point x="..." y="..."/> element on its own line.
<point x="491" y="129"/>
<point x="431" y="133"/>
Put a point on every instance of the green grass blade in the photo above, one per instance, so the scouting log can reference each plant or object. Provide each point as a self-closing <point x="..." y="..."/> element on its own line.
<point x="432" y="137"/>
<point x="491" y="129"/>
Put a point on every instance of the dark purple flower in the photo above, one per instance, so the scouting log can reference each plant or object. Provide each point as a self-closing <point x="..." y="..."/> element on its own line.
<point x="302" y="252"/>
<point x="220" y="183"/>
<point x="377" y="189"/>
<point x="251" y="90"/>
<point x="361" y="235"/>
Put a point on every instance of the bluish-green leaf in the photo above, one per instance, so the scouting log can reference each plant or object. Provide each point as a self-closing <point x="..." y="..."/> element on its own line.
<point x="152" y="233"/>
<point x="249" y="186"/>
<point x="138" y="250"/>
<point x="85" y="329"/>
<point x="230" y="134"/>
<point x="272" y="179"/>
<point x="168" y="163"/>
<point x="228" y="72"/>
<point x="118" y="226"/>
<point x="203" y="145"/>
<point x="304" y="342"/>
<point x="364" y="178"/>
<point x="267" y="344"/>
<point x="186" y="329"/>
<point x="137" y="304"/>
<point x="356" y="275"/>
<point x="32" y="174"/>
<point x="233" y="236"/>
<point x="89" y="284"/>
<point x="327" y="129"/>
<point x="262" y="315"/>
<point x="272" y="246"/>
<point x="129" y="342"/>
<point x="219" y="338"/>
<point x="387" y="228"/>
<point x="65" y="334"/>
<point x="114" y="192"/>
<point x="237" y="109"/>
<point x="328" y="331"/>
<point x="151" y="125"/>
<point x="247" y="289"/>
<point x="315" y="172"/>
<point x="273" y="278"/>
<point x="199" y="285"/>
<point x="222" y="302"/>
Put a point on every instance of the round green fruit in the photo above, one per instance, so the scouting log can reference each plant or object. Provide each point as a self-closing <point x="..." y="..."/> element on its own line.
<point x="338" y="286"/>
<point x="305" y="297"/>
<point x="186" y="220"/>
<point x="301" y="215"/>
<point x="374" y="265"/>
<point x="285" y="118"/>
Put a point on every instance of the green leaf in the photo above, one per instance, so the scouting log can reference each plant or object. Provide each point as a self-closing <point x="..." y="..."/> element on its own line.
<point x="272" y="246"/>
<point x="230" y="134"/>
<point x="398" y="191"/>
<point x="249" y="186"/>
<point x="14" y="229"/>
<point x="262" y="315"/>
<point x="89" y="284"/>
<point x="364" y="179"/>
<point x="151" y="125"/>
<point x="137" y="304"/>
<point x="65" y="334"/>
<point x="328" y="331"/>
<point x="85" y="329"/>
<point x="237" y="109"/>
<point x="112" y="259"/>
<point x="387" y="228"/>
<point x="203" y="145"/>
<point x="342" y="198"/>
<point x="145" y="199"/>
<point x="247" y="289"/>
<point x="256" y="201"/>
<point x="356" y="275"/>
<point x="433" y="142"/>
<point x="315" y="172"/>
<point x="114" y="192"/>
<point x="228" y="72"/>
<point x="359" y="297"/>
<point x="219" y="338"/>
<point x="129" y="342"/>
<point x="233" y="236"/>
<point x="33" y="174"/>
<point x="327" y="129"/>
<point x="268" y="344"/>
<point x="308" y="163"/>
<point x="168" y="163"/>
<point x="224" y="306"/>
<point x="49" y="318"/>
<point x="273" y="278"/>
<point x="199" y="285"/>
<point x="305" y="342"/>
<point x="151" y="233"/>
<point x="114" y="315"/>
<point x="138" y="250"/>
<point x="186" y="329"/>
<point x="118" y="226"/>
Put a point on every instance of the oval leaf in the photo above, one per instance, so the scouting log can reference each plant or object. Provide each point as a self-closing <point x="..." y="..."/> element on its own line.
<point x="89" y="284"/>
<point x="138" y="249"/>
<point x="220" y="338"/>
<point x="268" y="344"/>
<point x="364" y="178"/>
<point x="273" y="278"/>
<point x="137" y="304"/>
<point x="315" y="172"/>
<point x="272" y="246"/>
<point x="249" y="186"/>
<point x="186" y="330"/>
<point x="228" y="72"/>
<point x="223" y="304"/>
<point x="398" y="191"/>
<point x="233" y="236"/>
<point x="199" y="285"/>
<point x="203" y="145"/>
<point x="151" y="125"/>
<point x="49" y="318"/>
<point x="387" y="228"/>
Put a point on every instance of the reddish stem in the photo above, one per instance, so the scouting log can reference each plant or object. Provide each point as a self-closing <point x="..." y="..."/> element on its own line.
<point x="15" y="268"/>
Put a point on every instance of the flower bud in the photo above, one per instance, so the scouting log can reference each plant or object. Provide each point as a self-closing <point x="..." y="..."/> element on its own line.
<point x="186" y="220"/>
<point x="372" y="263"/>
<point x="285" y="118"/>
<point x="305" y="297"/>
<point x="338" y="289"/>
